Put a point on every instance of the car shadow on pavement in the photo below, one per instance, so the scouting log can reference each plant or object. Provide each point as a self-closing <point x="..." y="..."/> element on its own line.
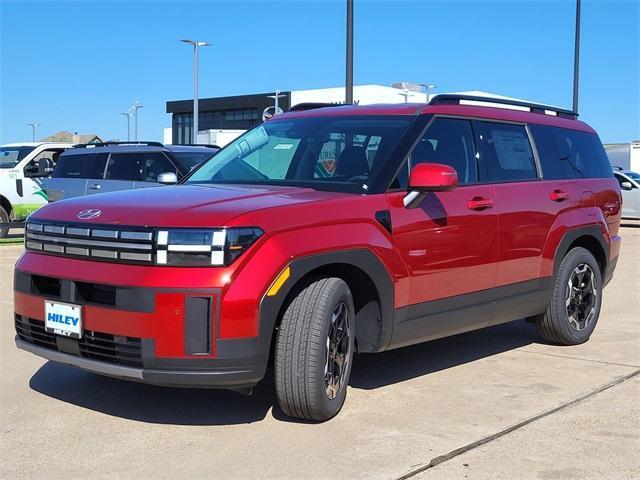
<point x="175" y="406"/>
<point x="380" y="369"/>
<point x="150" y="403"/>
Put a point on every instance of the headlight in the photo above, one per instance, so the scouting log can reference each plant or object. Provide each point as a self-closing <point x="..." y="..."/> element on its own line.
<point x="202" y="247"/>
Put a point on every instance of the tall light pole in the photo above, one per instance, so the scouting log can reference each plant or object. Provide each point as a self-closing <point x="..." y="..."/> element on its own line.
<point x="33" y="130"/>
<point x="576" y="58"/>
<point x="427" y="88"/>
<point x="276" y="97"/>
<point x="128" y="115"/>
<point x="135" y="107"/>
<point x="196" y="44"/>
<point x="406" y="94"/>
<point x="349" y="66"/>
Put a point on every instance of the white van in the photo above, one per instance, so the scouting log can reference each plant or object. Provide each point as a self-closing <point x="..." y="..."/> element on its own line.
<point x="22" y="168"/>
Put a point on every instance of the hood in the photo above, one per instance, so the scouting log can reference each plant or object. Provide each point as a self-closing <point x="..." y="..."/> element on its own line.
<point x="180" y="205"/>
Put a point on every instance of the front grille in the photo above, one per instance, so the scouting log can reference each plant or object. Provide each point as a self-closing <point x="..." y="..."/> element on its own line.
<point x="115" y="244"/>
<point x="126" y="351"/>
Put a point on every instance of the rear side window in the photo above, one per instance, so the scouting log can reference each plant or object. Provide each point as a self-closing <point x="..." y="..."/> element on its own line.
<point x="450" y="142"/>
<point x="90" y="165"/>
<point x="582" y="153"/>
<point x="567" y="154"/>
<point x="506" y="154"/>
<point x="125" y="166"/>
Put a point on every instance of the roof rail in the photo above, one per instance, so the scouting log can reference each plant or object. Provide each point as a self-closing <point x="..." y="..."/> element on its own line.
<point x="300" y="107"/>
<point x="208" y="145"/>
<point x="480" y="101"/>
<point x="107" y="144"/>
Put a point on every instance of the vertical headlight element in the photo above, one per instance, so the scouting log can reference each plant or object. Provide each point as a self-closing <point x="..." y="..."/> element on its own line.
<point x="199" y="247"/>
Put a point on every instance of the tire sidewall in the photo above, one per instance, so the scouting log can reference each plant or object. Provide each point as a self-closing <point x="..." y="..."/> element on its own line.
<point x="4" y="218"/>
<point x="331" y="407"/>
<point x="574" y="258"/>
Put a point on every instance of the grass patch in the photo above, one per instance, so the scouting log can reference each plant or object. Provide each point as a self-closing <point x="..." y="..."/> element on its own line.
<point x="11" y="241"/>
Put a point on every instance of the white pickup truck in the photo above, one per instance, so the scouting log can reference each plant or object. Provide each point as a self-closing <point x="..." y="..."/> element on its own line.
<point x="22" y="168"/>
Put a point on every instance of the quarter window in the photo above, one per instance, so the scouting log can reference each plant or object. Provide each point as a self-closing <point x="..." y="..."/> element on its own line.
<point x="506" y="153"/>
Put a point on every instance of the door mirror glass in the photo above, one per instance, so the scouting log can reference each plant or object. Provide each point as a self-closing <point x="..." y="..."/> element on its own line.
<point x="168" y="178"/>
<point x="626" y="186"/>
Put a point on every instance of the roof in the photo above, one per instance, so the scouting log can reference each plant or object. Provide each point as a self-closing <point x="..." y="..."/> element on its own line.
<point x="138" y="147"/>
<point x="37" y="144"/>
<point x="489" y="112"/>
<point x="65" y="136"/>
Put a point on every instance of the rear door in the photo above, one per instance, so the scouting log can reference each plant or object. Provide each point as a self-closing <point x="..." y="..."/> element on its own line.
<point x="527" y="207"/>
<point x="123" y="170"/>
<point x="73" y="172"/>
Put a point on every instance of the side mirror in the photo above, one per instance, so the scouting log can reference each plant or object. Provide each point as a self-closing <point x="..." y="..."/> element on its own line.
<point x="168" y="178"/>
<point x="31" y="170"/>
<point x="626" y="186"/>
<point x="429" y="177"/>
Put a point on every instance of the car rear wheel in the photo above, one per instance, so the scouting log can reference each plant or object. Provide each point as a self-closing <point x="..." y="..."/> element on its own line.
<point x="573" y="312"/>
<point x="4" y="218"/>
<point x="314" y="351"/>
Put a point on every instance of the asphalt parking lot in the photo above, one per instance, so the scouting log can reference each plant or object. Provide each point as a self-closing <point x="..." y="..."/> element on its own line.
<point x="497" y="403"/>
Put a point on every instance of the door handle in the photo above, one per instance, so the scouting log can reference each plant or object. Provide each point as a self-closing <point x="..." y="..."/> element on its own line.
<point x="479" y="203"/>
<point x="95" y="186"/>
<point x="559" y="195"/>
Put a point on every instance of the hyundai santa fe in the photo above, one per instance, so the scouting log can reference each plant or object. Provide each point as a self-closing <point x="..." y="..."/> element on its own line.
<point x="326" y="232"/>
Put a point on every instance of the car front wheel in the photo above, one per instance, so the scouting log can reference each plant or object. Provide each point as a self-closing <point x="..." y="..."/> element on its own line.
<point x="314" y="351"/>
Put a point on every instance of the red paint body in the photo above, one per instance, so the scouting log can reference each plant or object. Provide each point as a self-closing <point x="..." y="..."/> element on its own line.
<point x="469" y="239"/>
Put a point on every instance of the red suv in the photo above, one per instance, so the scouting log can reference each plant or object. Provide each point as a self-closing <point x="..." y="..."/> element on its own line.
<point x="324" y="232"/>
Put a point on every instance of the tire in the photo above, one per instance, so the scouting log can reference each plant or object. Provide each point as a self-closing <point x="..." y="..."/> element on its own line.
<point x="315" y="323"/>
<point x="4" y="218"/>
<point x="578" y="272"/>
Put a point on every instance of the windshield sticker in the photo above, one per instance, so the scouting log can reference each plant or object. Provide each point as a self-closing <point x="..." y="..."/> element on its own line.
<point x="283" y="146"/>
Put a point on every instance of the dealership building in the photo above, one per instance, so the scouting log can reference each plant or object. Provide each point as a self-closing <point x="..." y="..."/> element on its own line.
<point x="221" y="119"/>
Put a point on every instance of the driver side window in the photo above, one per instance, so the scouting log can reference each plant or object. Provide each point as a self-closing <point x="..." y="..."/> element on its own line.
<point x="446" y="141"/>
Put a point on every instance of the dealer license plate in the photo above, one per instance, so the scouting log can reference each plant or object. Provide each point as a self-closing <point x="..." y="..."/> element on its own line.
<point x="63" y="319"/>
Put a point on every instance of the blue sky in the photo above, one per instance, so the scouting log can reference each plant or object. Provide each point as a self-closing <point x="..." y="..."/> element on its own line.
<point x="76" y="65"/>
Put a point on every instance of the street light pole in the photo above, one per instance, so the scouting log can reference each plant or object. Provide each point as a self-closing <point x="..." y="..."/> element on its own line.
<point x="576" y="59"/>
<point x="33" y="130"/>
<point x="349" y="66"/>
<point x="427" y="87"/>
<point x="136" y="106"/>
<point x="128" y="115"/>
<point x="196" y="44"/>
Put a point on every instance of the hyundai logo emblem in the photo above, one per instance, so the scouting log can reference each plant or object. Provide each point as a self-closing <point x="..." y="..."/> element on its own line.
<point x="89" y="214"/>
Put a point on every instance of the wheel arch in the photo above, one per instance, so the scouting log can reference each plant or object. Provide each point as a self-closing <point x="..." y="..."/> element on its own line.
<point x="368" y="280"/>
<point x="6" y="204"/>
<point x="589" y="237"/>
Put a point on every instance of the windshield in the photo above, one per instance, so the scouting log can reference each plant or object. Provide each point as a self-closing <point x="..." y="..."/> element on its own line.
<point x="190" y="160"/>
<point x="11" y="156"/>
<point x="342" y="153"/>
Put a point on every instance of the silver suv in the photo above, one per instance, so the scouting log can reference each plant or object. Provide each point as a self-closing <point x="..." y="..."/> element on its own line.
<point x="112" y="166"/>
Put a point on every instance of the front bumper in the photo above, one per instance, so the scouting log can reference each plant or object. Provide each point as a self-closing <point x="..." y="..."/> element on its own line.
<point x="162" y="336"/>
<point x="220" y="377"/>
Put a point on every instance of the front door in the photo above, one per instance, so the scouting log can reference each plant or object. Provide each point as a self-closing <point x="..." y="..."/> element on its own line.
<point x="448" y="243"/>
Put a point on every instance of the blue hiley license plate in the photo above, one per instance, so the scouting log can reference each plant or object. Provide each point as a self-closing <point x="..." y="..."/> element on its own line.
<point x="63" y="319"/>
